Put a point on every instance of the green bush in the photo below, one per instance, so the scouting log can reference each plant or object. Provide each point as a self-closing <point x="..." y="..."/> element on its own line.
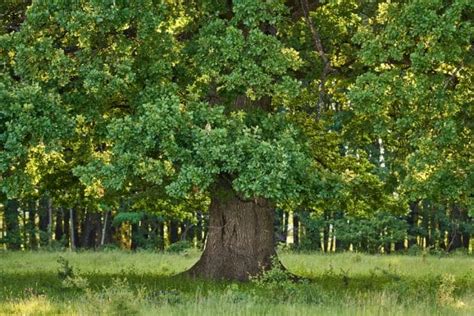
<point x="179" y="246"/>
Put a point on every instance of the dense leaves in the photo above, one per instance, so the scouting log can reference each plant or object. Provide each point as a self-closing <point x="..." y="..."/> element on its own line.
<point x="333" y="107"/>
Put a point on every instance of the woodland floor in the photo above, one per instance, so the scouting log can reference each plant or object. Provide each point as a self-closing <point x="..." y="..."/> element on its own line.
<point x="125" y="283"/>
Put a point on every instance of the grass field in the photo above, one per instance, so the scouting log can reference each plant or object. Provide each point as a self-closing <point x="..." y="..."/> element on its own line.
<point x="123" y="283"/>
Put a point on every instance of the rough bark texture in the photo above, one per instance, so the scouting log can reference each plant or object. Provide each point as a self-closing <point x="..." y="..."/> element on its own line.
<point x="240" y="240"/>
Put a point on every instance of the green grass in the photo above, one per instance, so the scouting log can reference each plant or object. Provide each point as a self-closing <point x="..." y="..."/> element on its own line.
<point x="125" y="283"/>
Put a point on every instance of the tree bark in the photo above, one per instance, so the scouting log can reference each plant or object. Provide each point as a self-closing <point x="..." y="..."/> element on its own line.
<point x="135" y="236"/>
<point x="296" y="229"/>
<point x="173" y="232"/>
<point x="161" y="235"/>
<point x="91" y="230"/>
<point x="240" y="240"/>
<point x="59" y="228"/>
<point x="285" y="226"/>
<point x="43" y="221"/>
<point x="454" y="235"/>
<point x="12" y="225"/>
<point x="71" y="229"/>
<point x="279" y="218"/>
<point x="31" y="225"/>
<point x="199" y="229"/>
<point x="104" y="229"/>
<point x="50" y="221"/>
<point x="413" y="223"/>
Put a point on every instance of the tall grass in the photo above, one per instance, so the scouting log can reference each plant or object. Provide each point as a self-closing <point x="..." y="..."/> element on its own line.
<point x="142" y="283"/>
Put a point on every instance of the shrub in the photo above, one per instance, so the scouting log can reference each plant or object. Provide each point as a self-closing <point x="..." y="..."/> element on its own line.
<point x="179" y="246"/>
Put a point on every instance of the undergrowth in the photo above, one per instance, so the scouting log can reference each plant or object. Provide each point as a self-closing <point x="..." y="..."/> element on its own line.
<point x="107" y="284"/>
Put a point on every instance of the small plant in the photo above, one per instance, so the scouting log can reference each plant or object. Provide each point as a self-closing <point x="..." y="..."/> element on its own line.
<point x="69" y="279"/>
<point x="169" y="296"/>
<point x="275" y="276"/>
<point x="414" y="250"/>
<point x="117" y="299"/>
<point x="65" y="269"/>
<point x="76" y="282"/>
<point x="445" y="294"/>
<point x="234" y="294"/>
<point x="344" y="274"/>
<point x="179" y="246"/>
<point x="357" y="258"/>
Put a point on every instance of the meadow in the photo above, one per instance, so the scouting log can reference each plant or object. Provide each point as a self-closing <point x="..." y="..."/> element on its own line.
<point x="145" y="283"/>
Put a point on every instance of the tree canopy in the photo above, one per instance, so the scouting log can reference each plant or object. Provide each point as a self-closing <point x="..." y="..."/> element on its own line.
<point x="359" y="107"/>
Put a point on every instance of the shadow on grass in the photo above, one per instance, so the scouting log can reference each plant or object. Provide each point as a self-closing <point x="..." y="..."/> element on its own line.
<point x="19" y="285"/>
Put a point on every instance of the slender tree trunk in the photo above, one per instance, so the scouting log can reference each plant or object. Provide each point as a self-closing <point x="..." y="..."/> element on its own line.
<point x="279" y="226"/>
<point x="399" y="246"/>
<point x="31" y="225"/>
<point x="173" y="232"/>
<point x="50" y="221"/>
<point x="240" y="241"/>
<point x="296" y="229"/>
<point x="199" y="227"/>
<point x="454" y="235"/>
<point x="161" y="235"/>
<point x="13" y="235"/>
<point x="26" y="244"/>
<point x="43" y="221"/>
<point x="59" y="228"/>
<point x="186" y="231"/>
<point x="135" y="236"/>
<point x="285" y="226"/>
<point x="75" y="228"/>
<point x="91" y="228"/>
<point x="72" y="234"/>
<point x="104" y="229"/>
<point x="413" y="223"/>
<point x="466" y="236"/>
<point x="326" y="230"/>
<point x="66" y="225"/>
<point x="191" y="231"/>
<point x="85" y="230"/>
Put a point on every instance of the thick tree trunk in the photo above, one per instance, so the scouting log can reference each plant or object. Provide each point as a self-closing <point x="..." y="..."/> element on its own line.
<point x="240" y="240"/>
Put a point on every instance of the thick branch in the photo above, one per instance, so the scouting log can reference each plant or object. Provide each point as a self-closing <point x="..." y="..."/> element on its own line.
<point x="327" y="69"/>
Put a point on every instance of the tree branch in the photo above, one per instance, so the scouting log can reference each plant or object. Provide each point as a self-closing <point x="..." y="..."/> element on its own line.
<point x="327" y="69"/>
